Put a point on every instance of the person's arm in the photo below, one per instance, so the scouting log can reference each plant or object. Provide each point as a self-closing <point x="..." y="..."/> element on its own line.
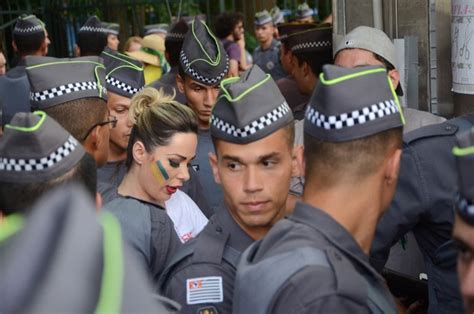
<point x="243" y="55"/>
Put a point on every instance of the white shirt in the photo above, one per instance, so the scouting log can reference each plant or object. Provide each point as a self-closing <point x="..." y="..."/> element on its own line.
<point x="187" y="217"/>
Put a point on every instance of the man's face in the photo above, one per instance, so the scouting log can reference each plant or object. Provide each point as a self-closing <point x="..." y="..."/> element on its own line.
<point x="102" y="153"/>
<point x="255" y="178"/>
<point x="113" y="42"/>
<point x="47" y="42"/>
<point x="264" y="33"/>
<point x="201" y="98"/>
<point x="3" y="64"/>
<point x="238" y="31"/>
<point x="463" y="235"/>
<point x="300" y="72"/>
<point x="285" y="58"/>
<point x="118" y="107"/>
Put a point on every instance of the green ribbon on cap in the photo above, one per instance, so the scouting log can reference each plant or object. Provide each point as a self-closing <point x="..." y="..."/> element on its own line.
<point x="210" y="61"/>
<point x="33" y="128"/>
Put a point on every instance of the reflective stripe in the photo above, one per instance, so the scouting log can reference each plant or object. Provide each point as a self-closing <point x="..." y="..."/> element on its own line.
<point x="110" y="299"/>
<point x="10" y="225"/>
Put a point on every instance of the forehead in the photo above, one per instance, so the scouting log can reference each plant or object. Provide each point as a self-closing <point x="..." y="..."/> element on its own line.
<point x="355" y="57"/>
<point x="264" y="26"/>
<point x="277" y="142"/>
<point x="116" y="99"/>
<point x="183" y="144"/>
<point x="191" y="82"/>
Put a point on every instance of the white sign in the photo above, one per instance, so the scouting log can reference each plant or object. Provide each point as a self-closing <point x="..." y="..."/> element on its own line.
<point x="462" y="55"/>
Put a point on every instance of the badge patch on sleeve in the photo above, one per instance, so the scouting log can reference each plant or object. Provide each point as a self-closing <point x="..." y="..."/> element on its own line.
<point x="204" y="290"/>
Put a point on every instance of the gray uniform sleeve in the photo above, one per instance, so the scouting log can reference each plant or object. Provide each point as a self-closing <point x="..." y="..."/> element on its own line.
<point x="405" y="211"/>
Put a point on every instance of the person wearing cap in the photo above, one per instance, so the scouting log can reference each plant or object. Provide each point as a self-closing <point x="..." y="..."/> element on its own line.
<point x="267" y="54"/>
<point x="230" y="30"/>
<point x="310" y="50"/>
<point x="352" y="153"/>
<point x="162" y="143"/>
<point x="124" y="80"/>
<point x="30" y="38"/>
<point x="158" y="29"/>
<point x="427" y="212"/>
<point x="254" y="161"/>
<point x="370" y="46"/>
<point x="304" y="14"/>
<point x="112" y="30"/>
<point x="72" y="91"/>
<point x="173" y="44"/>
<point x="203" y="65"/>
<point x="463" y="231"/>
<point x="278" y="18"/>
<point x="152" y="55"/>
<point x="53" y="157"/>
<point x="91" y="38"/>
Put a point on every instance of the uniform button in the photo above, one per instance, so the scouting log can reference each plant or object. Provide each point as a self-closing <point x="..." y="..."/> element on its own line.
<point x="218" y="229"/>
<point x="448" y="128"/>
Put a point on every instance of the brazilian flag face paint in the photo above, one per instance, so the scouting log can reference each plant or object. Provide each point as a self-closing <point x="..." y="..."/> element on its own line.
<point x="159" y="172"/>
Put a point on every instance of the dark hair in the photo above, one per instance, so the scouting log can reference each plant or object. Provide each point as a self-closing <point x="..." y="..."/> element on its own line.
<point x="91" y="44"/>
<point x="28" y="44"/>
<point x="331" y="162"/>
<point x="78" y="116"/>
<point x="156" y="117"/>
<point x="19" y="197"/>
<point x="226" y="23"/>
<point x="314" y="60"/>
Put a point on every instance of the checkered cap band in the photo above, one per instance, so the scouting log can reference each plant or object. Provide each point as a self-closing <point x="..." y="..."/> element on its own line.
<point x="28" y="165"/>
<point x="311" y="45"/>
<point x="176" y="36"/>
<point x="64" y="90"/>
<point x="91" y="29"/>
<point x="199" y="77"/>
<point x="253" y="127"/>
<point x="122" y="85"/>
<point x="353" y="118"/>
<point x="31" y="29"/>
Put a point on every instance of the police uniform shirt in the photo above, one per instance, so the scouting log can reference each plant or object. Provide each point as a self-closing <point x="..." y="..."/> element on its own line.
<point x="212" y="191"/>
<point x="424" y="203"/>
<point x="148" y="230"/>
<point x="111" y="173"/>
<point x="289" y="89"/>
<point x="206" y="269"/>
<point x="269" y="60"/>
<point x="318" y="289"/>
<point x="168" y="83"/>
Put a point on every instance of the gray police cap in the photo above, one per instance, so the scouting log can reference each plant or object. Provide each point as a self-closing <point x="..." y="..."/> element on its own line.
<point x="464" y="154"/>
<point x="341" y="109"/>
<point x="92" y="26"/>
<point x="161" y="28"/>
<point x="317" y="39"/>
<point x="249" y="107"/>
<point x="177" y="31"/>
<point x="35" y="148"/>
<point x="124" y="75"/>
<point x="262" y="18"/>
<point x="111" y="28"/>
<point x="54" y="81"/>
<point x="303" y="10"/>
<point x="203" y="56"/>
<point x="28" y="25"/>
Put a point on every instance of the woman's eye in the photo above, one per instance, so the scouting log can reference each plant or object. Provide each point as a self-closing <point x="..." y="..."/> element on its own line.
<point x="174" y="164"/>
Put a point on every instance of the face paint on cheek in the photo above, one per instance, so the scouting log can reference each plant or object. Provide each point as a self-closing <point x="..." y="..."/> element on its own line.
<point x="159" y="172"/>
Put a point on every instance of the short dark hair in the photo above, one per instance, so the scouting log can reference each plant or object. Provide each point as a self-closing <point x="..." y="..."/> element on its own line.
<point x="78" y="116"/>
<point x="314" y="60"/>
<point x="226" y="23"/>
<point x="19" y="197"/>
<point x="91" y="44"/>
<point x="28" y="44"/>
<point x="331" y="162"/>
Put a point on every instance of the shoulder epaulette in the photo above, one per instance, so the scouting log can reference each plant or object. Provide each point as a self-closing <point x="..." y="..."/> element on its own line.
<point x="442" y="129"/>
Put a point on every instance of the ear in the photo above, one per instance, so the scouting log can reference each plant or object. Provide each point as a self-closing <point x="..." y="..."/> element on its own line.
<point x="215" y="171"/>
<point x="298" y="162"/>
<point x="307" y="70"/>
<point x="180" y="83"/>
<point x="392" y="166"/>
<point x="394" y="77"/>
<point x="98" y="201"/>
<point x="139" y="152"/>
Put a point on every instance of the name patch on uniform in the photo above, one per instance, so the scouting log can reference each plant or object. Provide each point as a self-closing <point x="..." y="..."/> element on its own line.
<point x="204" y="290"/>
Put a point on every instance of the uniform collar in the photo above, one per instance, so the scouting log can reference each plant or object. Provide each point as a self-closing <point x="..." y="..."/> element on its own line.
<point x="332" y="231"/>
<point x="238" y="239"/>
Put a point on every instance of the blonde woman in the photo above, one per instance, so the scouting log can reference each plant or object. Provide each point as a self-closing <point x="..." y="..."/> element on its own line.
<point x="162" y="143"/>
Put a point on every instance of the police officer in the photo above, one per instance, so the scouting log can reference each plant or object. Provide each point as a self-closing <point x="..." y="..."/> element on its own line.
<point x="203" y="65"/>
<point x="304" y="14"/>
<point x="253" y="162"/>
<point x="113" y="31"/>
<point x="267" y="54"/>
<point x="91" y="38"/>
<point x="463" y="232"/>
<point x="352" y="155"/>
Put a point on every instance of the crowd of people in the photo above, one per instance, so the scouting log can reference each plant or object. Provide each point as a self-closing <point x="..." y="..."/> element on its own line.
<point x="186" y="175"/>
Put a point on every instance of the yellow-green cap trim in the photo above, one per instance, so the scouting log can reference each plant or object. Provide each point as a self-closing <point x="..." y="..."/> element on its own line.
<point x="211" y="62"/>
<point x="34" y="128"/>
<point x="463" y="151"/>
<point x="395" y="97"/>
<point x="348" y="77"/>
<point x="111" y="292"/>
<point x="234" y="79"/>
<point x="10" y="225"/>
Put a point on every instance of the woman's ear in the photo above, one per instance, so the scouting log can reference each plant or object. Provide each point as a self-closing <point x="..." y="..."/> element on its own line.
<point x="139" y="152"/>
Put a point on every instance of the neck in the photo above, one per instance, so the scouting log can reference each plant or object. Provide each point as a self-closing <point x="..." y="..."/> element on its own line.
<point x="131" y="186"/>
<point x="116" y="153"/>
<point x="230" y="37"/>
<point x="356" y="207"/>
<point x="203" y="126"/>
<point x="312" y="80"/>
<point x="266" y="44"/>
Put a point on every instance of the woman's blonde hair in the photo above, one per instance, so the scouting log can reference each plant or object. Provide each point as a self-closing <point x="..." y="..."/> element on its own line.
<point x="156" y="117"/>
